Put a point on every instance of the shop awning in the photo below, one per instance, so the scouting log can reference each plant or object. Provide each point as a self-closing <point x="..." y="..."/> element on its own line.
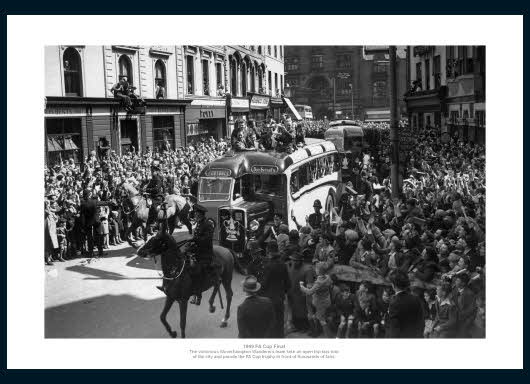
<point x="292" y="108"/>
<point x="69" y="144"/>
<point x="53" y="145"/>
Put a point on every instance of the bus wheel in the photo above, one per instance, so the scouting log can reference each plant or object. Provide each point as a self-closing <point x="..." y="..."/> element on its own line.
<point x="330" y="204"/>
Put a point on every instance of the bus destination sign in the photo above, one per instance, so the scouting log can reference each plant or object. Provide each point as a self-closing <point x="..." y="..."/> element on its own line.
<point x="264" y="169"/>
<point x="218" y="172"/>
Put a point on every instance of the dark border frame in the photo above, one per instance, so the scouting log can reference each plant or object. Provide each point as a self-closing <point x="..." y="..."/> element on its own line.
<point x="238" y="7"/>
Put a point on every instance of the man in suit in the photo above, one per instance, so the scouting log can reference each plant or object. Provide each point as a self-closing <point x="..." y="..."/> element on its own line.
<point x="275" y="285"/>
<point x="405" y="317"/>
<point x="255" y="316"/>
<point x="90" y="221"/>
<point x="465" y="301"/>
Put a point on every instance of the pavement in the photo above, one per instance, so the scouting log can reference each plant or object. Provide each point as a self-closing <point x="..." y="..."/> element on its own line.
<point x="115" y="296"/>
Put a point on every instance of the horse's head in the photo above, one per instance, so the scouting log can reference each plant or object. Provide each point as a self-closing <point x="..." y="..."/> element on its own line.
<point x="156" y="245"/>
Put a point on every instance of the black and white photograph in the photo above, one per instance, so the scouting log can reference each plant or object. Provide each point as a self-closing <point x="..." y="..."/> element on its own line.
<point x="265" y="191"/>
<point x="314" y="198"/>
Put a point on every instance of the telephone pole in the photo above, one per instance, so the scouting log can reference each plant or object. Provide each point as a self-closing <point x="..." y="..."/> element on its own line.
<point x="394" y="124"/>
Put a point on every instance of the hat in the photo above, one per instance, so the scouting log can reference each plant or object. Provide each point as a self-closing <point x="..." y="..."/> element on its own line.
<point x="297" y="256"/>
<point x="317" y="204"/>
<point x="250" y="284"/>
<point x="199" y="208"/>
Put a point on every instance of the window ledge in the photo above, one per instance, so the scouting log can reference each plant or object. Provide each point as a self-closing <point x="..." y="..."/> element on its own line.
<point x="160" y="52"/>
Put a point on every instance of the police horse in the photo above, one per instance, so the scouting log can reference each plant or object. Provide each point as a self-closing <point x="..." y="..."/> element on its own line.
<point x="136" y="207"/>
<point x="178" y="280"/>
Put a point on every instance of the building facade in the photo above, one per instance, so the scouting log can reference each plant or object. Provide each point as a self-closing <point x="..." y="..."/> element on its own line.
<point x="342" y="81"/>
<point x="190" y="91"/>
<point x="82" y="115"/>
<point x="447" y="90"/>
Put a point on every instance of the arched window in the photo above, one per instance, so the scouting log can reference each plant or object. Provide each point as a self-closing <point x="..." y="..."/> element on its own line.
<point x="260" y="80"/>
<point x="160" y="79"/>
<point x="252" y="79"/>
<point x="72" y="72"/>
<point x="244" y="75"/>
<point x="233" y="77"/>
<point x="125" y="68"/>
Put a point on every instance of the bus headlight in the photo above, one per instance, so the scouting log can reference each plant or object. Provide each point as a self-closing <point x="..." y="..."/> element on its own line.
<point x="254" y="225"/>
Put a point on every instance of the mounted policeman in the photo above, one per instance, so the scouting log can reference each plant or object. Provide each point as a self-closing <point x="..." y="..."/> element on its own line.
<point x="154" y="190"/>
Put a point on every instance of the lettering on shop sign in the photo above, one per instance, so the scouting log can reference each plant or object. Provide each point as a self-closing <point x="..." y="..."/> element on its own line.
<point x="259" y="102"/>
<point x="217" y="172"/>
<point x="163" y="110"/>
<point x="264" y="169"/>
<point x="206" y="113"/>
<point x="58" y="111"/>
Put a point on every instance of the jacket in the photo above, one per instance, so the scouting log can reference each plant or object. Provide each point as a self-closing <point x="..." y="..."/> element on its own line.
<point x="203" y="239"/>
<point x="89" y="211"/>
<point x="405" y="317"/>
<point x="467" y="310"/>
<point x="275" y="282"/>
<point x="255" y="318"/>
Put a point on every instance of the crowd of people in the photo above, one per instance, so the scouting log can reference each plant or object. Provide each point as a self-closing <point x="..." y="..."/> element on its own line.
<point x="81" y="200"/>
<point x="426" y="251"/>
<point x="427" y="248"/>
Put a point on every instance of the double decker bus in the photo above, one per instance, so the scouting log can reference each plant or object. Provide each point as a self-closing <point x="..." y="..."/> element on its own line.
<point x="245" y="186"/>
<point x="305" y="111"/>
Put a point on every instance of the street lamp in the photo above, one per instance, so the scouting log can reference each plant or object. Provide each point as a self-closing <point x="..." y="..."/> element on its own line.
<point x="351" y="87"/>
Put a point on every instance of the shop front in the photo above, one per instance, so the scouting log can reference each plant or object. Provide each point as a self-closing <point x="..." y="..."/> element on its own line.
<point x="205" y="118"/>
<point x="74" y="127"/>
<point x="276" y="108"/>
<point x="259" y="106"/>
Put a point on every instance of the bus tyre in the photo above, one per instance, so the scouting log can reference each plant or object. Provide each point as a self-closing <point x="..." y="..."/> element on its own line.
<point x="330" y="204"/>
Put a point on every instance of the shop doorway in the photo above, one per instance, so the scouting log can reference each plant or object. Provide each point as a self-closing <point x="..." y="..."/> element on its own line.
<point x="211" y="127"/>
<point x="128" y="136"/>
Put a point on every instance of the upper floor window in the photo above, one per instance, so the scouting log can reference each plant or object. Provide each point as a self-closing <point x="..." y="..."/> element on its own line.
<point x="206" y="77"/>
<point x="160" y="79"/>
<point x="72" y="72"/>
<point x="125" y="68"/>
<point x="269" y="49"/>
<point x="317" y="61"/>
<point x="190" y="90"/>
<point x="436" y="70"/>
<point x="379" y="90"/>
<point x="292" y="64"/>
<point x="344" y="61"/>
<point x="275" y="51"/>
<point x="259" y="49"/>
<point x="381" y="66"/>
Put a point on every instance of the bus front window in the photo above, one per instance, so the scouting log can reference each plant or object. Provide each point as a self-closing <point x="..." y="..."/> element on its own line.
<point x="214" y="189"/>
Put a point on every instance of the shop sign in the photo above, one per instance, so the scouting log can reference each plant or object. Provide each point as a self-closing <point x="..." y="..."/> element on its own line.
<point x="239" y="103"/>
<point x="259" y="102"/>
<point x="264" y="169"/>
<point x="60" y="111"/>
<point x="217" y="172"/>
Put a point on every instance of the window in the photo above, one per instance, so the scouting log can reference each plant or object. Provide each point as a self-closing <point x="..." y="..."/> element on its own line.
<point x="292" y="64"/>
<point x="276" y="84"/>
<point x="219" y="75"/>
<point x="269" y="49"/>
<point x="163" y="133"/>
<point x="275" y="51"/>
<point x="281" y="83"/>
<point x="259" y="49"/>
<point x="427" y="74"/>
<point x="437" y="72"/>
<point x="233" y="77"/>
<point x="244" y="81"/>
<point x="270" y="82"/>
<point x="211" y="189"/>
<point x="317" y="61"/>
<point x="190" y="89"/>
<point x="64" y="140"/>
<point x="206" y="77"/>
<point x="344" y="61"/>
<point x="72" y="72"/>
<point x="252" y="79"/>
<point x="312" y="171"/>
<point x="125" y="68"/>
<point x="343" y="86"/>
<point x="381" y="66"/>
<point x="268" y="184"/>
<point x="379" y="91"/>
<point x="160" y="79"/>
<point x="418" y="75"/>
<point x="260" y="80"/>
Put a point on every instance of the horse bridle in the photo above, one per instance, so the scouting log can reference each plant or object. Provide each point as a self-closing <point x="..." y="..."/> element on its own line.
<point x="179" y="244"/>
